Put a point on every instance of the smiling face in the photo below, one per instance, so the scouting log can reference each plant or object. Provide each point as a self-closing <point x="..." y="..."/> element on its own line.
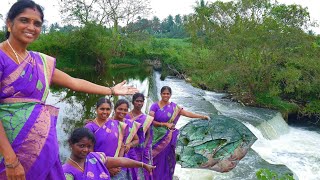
<point x="165" y="95"/>
<point x="103" y="111"/>
<point x="121" y="111"/>
<point x="81" y="149"/>
<point x="25" y="27"/>
<point x="138" y="103"/>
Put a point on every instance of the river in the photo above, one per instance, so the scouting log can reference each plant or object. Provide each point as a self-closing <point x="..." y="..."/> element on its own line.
<point x="278" y="147"/>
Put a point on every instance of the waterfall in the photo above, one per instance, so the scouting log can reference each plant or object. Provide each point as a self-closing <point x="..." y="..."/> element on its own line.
<point x="274" y="128"/>
<point x="278" y="147"/>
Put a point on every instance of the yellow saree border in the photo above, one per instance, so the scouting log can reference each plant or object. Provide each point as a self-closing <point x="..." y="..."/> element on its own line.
<point x="121" y="130"/>
<point x="147" y="123"/>
<point x="133" y="131"/>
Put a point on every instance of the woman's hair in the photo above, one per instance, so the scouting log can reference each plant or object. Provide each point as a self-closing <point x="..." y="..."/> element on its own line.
<point x="166" y="88"/>
<point x="80" y="133"/>
<point x="136" y="95"/>
<point x="119" y="102"/>
<point x="18" y="7"/>
<point x="102" y="101"/>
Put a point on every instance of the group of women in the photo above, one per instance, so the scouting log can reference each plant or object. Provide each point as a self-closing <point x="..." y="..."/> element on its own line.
<point x="104" y="148"/>
<point x="148" y="139"/>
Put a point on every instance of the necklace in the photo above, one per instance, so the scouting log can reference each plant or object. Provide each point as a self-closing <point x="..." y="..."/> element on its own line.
<point x="133" y="116"/>
<point x="95" y="120"/>
<point x="76" y="164"/>
<point x="15" y="53"/>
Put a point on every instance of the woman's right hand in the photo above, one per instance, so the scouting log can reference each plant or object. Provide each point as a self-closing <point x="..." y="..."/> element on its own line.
<point x="114" y="171"/>
<point x="169" y="125"/>
<point x="149" y="168"/>
<point x="16" y="173"/>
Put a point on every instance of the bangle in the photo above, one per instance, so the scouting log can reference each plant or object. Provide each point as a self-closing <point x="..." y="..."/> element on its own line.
<point x="161" y="124"/>
<point x="142" y="164"/>
<point x="112" y="90"/>
<point x="14" y="164"/>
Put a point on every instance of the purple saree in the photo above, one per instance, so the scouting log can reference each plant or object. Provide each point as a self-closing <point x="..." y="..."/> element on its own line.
<point x="94" y="168"/>
<point x="131" y="131"/>
<point x="143" y="151"/>
<point x="164" y="141"/>
<point x="109" y="137"/>
<point x="30" y="125"/>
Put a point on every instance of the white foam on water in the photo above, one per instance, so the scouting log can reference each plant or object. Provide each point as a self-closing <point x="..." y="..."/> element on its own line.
<point x="298" y="150"/>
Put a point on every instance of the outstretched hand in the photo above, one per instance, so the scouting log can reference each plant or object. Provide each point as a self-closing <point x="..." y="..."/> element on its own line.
<point x="120" y="89"/>
<point x="205" y="117"/>
<point x="149" y="168"/>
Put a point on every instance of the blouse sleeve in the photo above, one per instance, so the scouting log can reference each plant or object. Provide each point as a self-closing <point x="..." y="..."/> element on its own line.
<point x="154" y="107"/>
<point x="90" y="127"/>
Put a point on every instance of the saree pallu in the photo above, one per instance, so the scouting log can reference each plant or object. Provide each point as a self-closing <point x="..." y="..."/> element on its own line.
<point x="29" y="124"/>
<point x="164" y="141"/>
<point x="109" y="137"/>
<point x="94" y="168"/>
<point x="142" y="152"/>
<point x="131" y="131"/>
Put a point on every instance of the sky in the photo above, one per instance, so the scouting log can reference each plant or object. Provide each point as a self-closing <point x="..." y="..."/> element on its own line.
<point x="160" y="8"/>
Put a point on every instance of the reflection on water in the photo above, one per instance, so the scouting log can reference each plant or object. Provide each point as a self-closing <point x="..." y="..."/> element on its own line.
<point x="76" y="107"/>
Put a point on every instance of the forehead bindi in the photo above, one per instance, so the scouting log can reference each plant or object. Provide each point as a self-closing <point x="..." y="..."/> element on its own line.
<point x="31" y="13"/>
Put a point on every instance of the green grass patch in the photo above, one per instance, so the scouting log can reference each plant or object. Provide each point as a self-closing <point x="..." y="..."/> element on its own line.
<point x="275" y="102"/>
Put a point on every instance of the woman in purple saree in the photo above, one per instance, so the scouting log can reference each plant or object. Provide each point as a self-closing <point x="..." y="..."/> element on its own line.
<point x="166" y="115"/>
<point x="28" y="146"/>
<point x="130" y="140"/>
<point x="109" y="133"/>
<point x="85" y="164"/>
<point x="114" y="135"/>
<point x="142" y="152"/>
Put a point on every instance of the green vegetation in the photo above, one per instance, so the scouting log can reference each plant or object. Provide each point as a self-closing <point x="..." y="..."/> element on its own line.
<point x="257" y="50"/>
<point x="266" y="174"/>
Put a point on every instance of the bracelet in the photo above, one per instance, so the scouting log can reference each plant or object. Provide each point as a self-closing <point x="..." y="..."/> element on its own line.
<point x="142" y="164"/>
<point x="112" y="90"/>
<point x="13" y="165"/>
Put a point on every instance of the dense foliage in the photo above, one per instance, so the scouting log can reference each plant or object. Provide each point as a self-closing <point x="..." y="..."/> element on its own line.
<point x="257" y="50"/>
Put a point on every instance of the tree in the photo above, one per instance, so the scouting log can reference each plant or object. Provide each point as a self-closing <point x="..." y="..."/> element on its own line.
<point x="156" y="25"/>
<point x="104" y="12"/>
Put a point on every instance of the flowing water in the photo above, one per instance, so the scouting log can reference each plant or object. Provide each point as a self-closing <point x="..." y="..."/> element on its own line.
<point x="278" y="147"/>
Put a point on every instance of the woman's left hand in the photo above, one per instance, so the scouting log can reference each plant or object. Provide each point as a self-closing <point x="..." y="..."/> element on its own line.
<point x="149" y="168"/>
<point x="120" y="89"/>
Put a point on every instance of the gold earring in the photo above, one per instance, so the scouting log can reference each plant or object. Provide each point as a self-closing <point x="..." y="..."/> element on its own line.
<point x="9" y="29"/>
